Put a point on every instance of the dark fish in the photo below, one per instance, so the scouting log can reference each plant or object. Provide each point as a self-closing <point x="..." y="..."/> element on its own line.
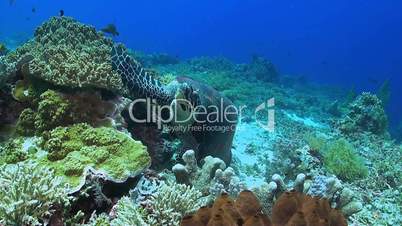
<point x="111" y="29"/>
<point x="372" y="80"/>
<point x="33" y="10"/>
<point x="61" y="12"/>
<point x="12" y="2"/>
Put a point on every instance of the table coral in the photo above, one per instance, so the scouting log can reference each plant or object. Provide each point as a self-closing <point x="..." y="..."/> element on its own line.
<point x="72" y="149"/>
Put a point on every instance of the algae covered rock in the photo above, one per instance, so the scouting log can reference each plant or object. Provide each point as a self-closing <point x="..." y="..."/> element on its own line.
<point x="72" y="150"/>
<point x="365" y="114"/>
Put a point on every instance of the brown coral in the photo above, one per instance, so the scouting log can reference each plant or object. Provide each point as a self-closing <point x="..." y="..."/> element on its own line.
<point x="291" y="209"/>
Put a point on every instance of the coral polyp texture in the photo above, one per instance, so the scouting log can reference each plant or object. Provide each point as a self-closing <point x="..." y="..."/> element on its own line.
<point x="71" y="150"/>
<point x="291" y="209"/>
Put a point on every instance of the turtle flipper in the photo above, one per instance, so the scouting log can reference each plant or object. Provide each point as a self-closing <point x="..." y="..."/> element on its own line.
<point x="138" y="81"/>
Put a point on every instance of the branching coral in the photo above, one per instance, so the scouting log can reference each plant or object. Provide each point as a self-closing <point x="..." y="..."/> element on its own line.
<point x="365" y="114"/>
<point x="28" y="193"/>
<point x="166" y="207"/>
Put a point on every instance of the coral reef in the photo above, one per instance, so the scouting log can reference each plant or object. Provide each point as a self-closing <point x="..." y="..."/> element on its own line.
<point x="29" y="193"/>
<point x="56" y="109"/>
<point x="73" y="149"/>
<point x="261" y="69"/>
<point x="67" y="53"/>
<point x="212" y="178"/>
<point x="165" y="207"/>
<point x="338" y="195"/>
<point x="365" y="114"/>
<point x="291" y="208"/>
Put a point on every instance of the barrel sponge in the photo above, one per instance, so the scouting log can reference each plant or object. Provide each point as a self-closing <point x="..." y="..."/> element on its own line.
<point x="68" y="53"/>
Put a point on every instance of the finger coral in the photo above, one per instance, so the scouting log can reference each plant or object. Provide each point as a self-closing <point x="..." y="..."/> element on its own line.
<point x="28" y="192"/>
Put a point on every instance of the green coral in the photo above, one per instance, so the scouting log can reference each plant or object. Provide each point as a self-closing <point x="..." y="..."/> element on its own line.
<point x="56" y="109"/>
<point x="72" y="149"/>
<point x="72" y="54"/>
<point x="340" y="159"/>
<point x="28" y="194"/>
<point x="11" y="152"/>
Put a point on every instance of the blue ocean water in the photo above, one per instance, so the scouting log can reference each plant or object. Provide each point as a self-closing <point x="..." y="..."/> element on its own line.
<point x="347" y="43"/>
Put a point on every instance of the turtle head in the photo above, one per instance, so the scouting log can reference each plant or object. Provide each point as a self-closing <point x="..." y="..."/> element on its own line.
<point x="184" y="104"/>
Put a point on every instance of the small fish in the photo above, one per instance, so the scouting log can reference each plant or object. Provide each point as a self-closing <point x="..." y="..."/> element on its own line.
<point x="33" y="10"/>
<point x="111" y="29"/>
<point x="61" y="12"/>
<point x="12" y="2"/>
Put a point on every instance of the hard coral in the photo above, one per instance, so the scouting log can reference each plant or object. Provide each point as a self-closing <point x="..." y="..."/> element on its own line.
<point x="56" y="109"/>
<point x="68" y="53"/>
<point x="213" y="178"/>
<point x="29" y="193"/>
<point x="291" y="209"/>
<point x="365" y="114"/>
<point x="73" y="149"/>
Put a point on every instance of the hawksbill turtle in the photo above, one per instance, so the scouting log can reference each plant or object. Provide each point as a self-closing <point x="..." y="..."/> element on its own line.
<point x="210" y="136"/>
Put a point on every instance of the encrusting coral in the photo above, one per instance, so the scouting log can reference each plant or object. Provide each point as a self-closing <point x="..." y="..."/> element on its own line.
<point x="291" y="209"/>
<point x="29" y="193"/>
<point x="365" y="114"/>
<point x="57" y="109"/>
<point x="72" y="149"/>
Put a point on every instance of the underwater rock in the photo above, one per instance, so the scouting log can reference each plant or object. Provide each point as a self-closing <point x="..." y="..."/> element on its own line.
<point x="261" y="69"/>
<point x="365" y="114"/>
